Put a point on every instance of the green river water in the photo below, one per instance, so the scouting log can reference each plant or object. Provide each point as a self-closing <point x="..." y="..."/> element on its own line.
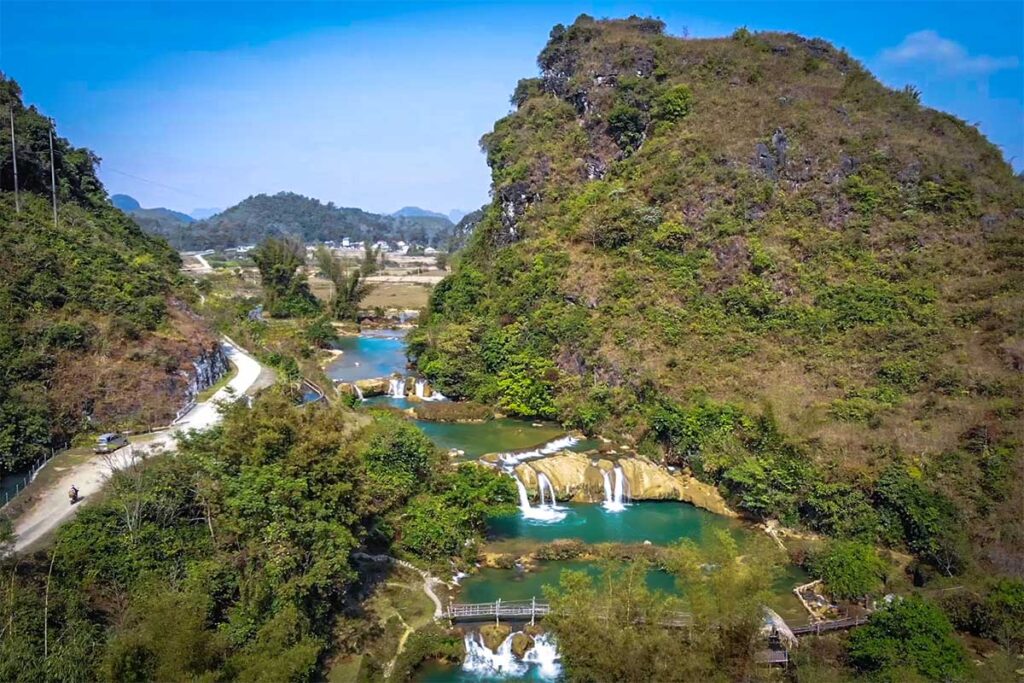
<point x="660" y="523"/>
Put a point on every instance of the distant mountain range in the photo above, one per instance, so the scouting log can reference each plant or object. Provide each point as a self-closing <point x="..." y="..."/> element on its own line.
<point x="455" y="215"/>
<point x="286" y="213"/>
<point x="131" y="206"/>
<point x="202" y="214"/>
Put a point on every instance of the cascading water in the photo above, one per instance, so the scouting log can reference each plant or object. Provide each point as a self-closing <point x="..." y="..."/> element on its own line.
<point x="559" y="444"/>
<point x="542" y="483"/>
<point x="396" y="387"/>
<point x="613" y="493"/>
<point x="544" y="654"/>
<point x="543" y="513"/>
<point x="483" y="663"/>
<point x="359" y="392"/>
<point x="420" y="390"/>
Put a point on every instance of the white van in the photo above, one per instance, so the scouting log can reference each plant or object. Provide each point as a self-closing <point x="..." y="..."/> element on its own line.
<point x="107" y="443"/>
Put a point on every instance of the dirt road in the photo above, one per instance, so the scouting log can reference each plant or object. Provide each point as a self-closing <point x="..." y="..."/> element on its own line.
<point x="53" y="507"/>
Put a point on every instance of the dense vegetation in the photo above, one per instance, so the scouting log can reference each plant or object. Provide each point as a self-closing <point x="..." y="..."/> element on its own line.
<point x="755" y="261"/>
<point x="288" y="214"/>
<point x="598" y="621"/>
<point x="234" y="559"/>
<point x="91" y="332"/>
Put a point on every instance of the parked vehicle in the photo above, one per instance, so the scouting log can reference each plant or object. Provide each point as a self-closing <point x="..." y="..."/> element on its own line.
<point x="108" y="443"/>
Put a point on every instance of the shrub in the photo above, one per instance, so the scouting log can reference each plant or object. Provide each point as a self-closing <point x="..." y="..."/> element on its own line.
<point x="673" y="104"/>
<point x="909" y="633"/>
<point x="850" y="569"/>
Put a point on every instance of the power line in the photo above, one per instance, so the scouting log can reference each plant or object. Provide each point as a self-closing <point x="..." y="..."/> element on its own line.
<point x="153" y="182"/>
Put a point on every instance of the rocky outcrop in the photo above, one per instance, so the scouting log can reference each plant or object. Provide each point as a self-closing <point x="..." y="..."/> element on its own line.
<point x="208" y="367"/>
<point x="372" y="387"/>
<point x="494" y="635"/>
<point x="521" y="643"/>
<point x="577" y="477"/>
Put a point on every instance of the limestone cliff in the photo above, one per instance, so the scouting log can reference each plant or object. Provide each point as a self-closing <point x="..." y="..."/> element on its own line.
<point x="577" y="477"/>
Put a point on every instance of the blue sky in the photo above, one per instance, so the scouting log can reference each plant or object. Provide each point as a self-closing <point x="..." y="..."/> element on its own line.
<point x="200" y="104"/>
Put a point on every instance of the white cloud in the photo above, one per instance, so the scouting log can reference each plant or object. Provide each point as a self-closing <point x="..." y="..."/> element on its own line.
<point x="931" y="49"/>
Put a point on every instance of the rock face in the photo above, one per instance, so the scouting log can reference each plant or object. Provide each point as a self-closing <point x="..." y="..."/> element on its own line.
<point x="494" y="635"/>
<point x="577" y="477"/>
<point x="209" y="366"/>
<point x="373" y="387"/>
<point x="521" y="643"/>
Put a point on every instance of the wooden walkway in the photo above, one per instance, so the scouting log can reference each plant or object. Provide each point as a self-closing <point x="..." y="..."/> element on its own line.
<point x="523" y="610"/>
<point x="820" y="627"/>
<point x="531" y="610"/>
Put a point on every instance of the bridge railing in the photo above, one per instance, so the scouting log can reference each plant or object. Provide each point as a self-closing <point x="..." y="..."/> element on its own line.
<point x="826" y="626"/>
<point x="498" y="609"/>
<point x="531" y="609"/>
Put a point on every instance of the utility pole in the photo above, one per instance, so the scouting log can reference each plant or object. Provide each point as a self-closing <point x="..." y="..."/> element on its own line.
<point x="53" y="177"/>
<point x="14" y="160"/>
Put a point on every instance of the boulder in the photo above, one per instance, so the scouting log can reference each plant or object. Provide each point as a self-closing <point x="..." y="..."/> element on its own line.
<point x="521" y="643"/>
<point x="373" y="387"/>
<point x="494" y="635"/>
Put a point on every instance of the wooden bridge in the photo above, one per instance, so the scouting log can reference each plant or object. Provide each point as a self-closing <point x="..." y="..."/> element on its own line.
<point x="523" y="610"/>
<point x="531" y="610"/>
<point x="500" y="609"/>
<point x="819" y="627"/>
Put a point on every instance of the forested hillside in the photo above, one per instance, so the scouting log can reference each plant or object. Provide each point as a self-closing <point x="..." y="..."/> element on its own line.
<point x="93" y="332"/>
<point x="286" y="213"/>
<point x="237" y="558"/>
<point x="755" y="261"/>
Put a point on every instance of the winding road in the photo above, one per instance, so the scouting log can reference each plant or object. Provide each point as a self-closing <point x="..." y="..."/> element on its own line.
<point x="52" y="507"/>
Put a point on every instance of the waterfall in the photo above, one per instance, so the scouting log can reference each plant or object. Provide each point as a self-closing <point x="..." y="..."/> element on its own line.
<point x="559" y="444"/>
<point x="613" y="495"/>
<point x="524" y="497"/>
<point x="359" y="392"/>
<point x="622" y="486"/>
<point x="544" y="654"/>
<point x="542" y="482"/>
<point x="543" y="513"/>
<point x="485" y="664"/>
<point x="396" y="387"/>
<point x="421" y="387"/>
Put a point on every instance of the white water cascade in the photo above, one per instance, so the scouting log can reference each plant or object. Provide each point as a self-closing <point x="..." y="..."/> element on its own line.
<point x="542" y="483"/>
<point x="396" y="387"/>
<point x="359" y="392"/>
<point x="420" y="390"/>
<point x="543" y="513"/>
<point x="559" y="444"/>
<point x="621" y="486"/>
<point x="614" y="494"/>
<point x="544" y="654"/>
<point x="483" y="663"/>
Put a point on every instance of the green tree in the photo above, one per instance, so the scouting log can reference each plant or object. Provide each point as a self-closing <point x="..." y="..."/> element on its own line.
<point x="851" y="570"/>
<point x="285" y="291"/>
<point x="908" y="634"/>
<point x="350" y="285"/>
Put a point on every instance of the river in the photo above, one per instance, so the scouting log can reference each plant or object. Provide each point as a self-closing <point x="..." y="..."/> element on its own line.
<point x="381" y="353"/>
